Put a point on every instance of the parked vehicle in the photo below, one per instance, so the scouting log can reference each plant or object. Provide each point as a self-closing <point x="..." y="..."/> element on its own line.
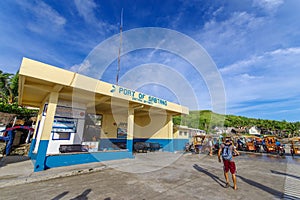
<point x="258" y="143"/>
<point x="280" y="150"/>
<point x="272" y="144"/>
<point x="198" y="142"/>
<point x="251" y="143"/>
<point x="248" y="143"/>
<point x="241" y="144"/>
<point x="295" y="146"/>
<point x="144" y="147"/>
<point x="269" y="142"/>
<point x="189" y="147"/>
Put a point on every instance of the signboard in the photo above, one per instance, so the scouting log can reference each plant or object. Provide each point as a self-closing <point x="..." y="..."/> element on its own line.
<point x="122" y="130"/>
<point x="64" y="125"/>
<point x="138" y="96"/>
<point x="91" y="146"/>
<point x="67" y="112"/>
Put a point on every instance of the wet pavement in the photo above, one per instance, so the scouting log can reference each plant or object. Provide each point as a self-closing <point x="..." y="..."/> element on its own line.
<point x="162" y="175"/>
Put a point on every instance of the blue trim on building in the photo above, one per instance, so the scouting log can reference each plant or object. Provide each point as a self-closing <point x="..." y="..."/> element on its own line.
<point x="166" y="144"/>
<point x="33" y="157"/>
<point x="40" y="163"/>
<point x="82" y="158"/>
<point x="111" y="143"/>
<point x="32" y="145"/>
<point x="129" y="145"/>
<point x="179" y="144"/>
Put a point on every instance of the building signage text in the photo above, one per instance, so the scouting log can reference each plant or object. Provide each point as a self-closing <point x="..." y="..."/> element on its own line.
<point x="138" y="96"/>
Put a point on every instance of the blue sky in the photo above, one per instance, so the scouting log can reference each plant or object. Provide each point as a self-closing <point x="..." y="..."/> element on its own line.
<point x="255" y="45"/>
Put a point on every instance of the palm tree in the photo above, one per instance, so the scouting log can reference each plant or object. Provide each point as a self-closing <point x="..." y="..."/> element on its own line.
<point x="8" y="87"/>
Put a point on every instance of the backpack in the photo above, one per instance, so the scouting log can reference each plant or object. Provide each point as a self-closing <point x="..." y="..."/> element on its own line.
<point x="227" y="152"/>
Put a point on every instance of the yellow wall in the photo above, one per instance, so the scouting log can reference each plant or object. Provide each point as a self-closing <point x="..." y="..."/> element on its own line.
<point x="109" y="129"/>
<point x="50" y="76"/>
<point x="144" y="127"/>
<point x="175" y="133"/>
<point x="182" y="136"/>
<point x="154" y="127"/>
<point x="38" y="80"/>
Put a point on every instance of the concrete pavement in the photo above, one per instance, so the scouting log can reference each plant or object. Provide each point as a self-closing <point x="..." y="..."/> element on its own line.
<point x="15" y="170"/>
<point x="158" y="175"/>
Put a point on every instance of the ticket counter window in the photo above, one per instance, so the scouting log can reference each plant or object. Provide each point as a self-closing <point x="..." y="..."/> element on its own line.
<point x="63" y="128"/>
<point x="92" y="128"/>
<point x="92" y="132"/>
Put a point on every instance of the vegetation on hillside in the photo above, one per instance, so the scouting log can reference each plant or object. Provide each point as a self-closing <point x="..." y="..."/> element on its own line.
<point x="208" y="121"/>
<point x="9" y="96"/>
<point x="8" y="87"/>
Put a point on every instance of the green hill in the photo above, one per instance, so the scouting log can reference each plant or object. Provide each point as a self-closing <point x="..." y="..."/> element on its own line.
<point x="208" y="120"/>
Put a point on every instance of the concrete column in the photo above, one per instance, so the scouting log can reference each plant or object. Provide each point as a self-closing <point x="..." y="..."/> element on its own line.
<point x="130" y="127"/>
<point x="33" y="141"/>
<point x="170" y="129"/>
<point x="40" y="163"/>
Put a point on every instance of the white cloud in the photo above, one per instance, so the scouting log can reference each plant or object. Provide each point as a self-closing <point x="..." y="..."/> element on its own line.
<point x="229" y="40"/>
<point x="293" y="50"/>
<point x="248" y="64"/>
<point x="46" y="12"/>
<point x="239" y="66"/>
<point x="269" y="6"/>
<point x="218" y="11"/>
<point x="270" y="76"/>
<point x="248" y="77"/>
<point x="238" y="23"/>
<point x="45" y="18"/>
<point x="86" y="9"/>
<point x="81" y="68"/>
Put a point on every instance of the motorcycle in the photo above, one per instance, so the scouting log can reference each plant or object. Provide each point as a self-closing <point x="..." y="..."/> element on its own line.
<point x="280" y="150"/>
<point x="216" y="148"/>
<point x="189" y="147"/>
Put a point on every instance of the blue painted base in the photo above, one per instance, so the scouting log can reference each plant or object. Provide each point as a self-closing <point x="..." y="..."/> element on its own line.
<point x="32" y="145"/>
<point x="82" y="158"/>
<point x="42" y="162"/>
<point x="129" y="145"/>
<point x="41" y="156"/>
<point x="166" y="144"/>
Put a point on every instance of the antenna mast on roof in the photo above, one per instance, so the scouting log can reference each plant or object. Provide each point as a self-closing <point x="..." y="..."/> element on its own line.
<point x="119" y="59"/>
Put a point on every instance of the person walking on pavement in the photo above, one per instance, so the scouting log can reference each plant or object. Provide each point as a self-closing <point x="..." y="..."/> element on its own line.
<point x="210" y="147"/>
<point x="226" y="151"/>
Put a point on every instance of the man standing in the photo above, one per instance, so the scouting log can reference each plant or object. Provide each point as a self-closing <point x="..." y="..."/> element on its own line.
<point x="226" y="150"/>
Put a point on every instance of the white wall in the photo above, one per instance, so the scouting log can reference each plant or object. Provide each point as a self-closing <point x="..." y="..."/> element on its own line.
<point x="75" y="138"/>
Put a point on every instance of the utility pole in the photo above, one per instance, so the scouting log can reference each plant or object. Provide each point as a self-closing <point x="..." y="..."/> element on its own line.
<point x="120" y="46"/>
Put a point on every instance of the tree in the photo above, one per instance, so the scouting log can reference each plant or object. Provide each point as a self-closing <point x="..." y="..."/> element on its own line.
<point x="8" y="87"/>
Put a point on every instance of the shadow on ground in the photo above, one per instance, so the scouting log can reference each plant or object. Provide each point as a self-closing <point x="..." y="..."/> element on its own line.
<point x="272" y="191"/>
<point x="83" y="196"/>
<point x="214" y="177"/>
<point x="12" y="159"/>
<point x="285" y="174"/>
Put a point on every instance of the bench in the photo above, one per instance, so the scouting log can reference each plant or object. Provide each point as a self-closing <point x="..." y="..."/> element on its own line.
<point x="69" y="148"/>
